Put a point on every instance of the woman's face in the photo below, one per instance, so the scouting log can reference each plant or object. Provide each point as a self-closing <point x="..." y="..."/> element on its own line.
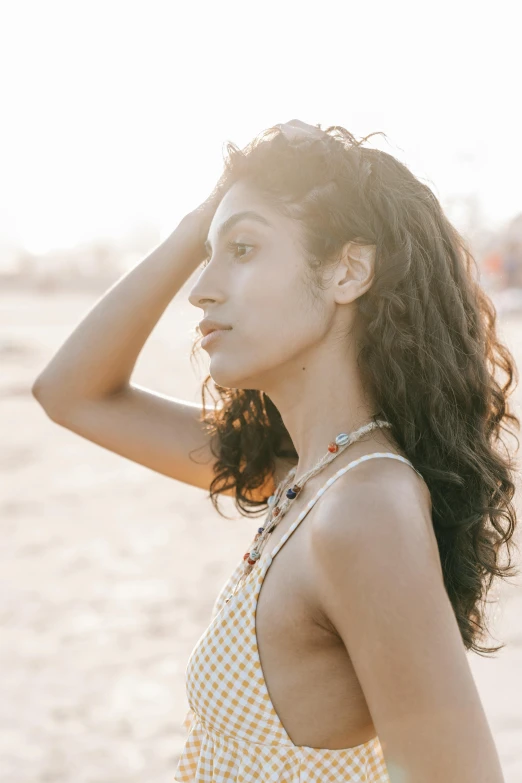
<point x="255" y="282"/>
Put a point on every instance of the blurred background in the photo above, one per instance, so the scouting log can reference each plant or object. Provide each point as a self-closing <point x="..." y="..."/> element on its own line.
<point x="114" y="118"/>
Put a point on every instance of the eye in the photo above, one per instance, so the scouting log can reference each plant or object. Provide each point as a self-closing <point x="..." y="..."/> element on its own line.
<point x="230" y="246"/>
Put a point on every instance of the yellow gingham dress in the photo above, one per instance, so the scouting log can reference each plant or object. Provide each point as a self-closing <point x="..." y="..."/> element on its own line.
<point x="235" y="734"/>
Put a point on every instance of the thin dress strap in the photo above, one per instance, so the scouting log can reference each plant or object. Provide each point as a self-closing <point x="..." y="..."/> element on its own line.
<point x="329" y="483"/>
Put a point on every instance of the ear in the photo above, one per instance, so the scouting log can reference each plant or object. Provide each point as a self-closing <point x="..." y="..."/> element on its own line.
<point x="355" y="272"/>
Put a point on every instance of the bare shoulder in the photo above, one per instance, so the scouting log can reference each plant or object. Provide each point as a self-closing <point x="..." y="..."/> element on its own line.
<point x="378" y="581"/>
<point x="373" y="504"/>
<point x="378" y="485"/>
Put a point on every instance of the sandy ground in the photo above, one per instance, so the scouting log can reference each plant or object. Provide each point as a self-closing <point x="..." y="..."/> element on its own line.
<point x="109" y="571"/>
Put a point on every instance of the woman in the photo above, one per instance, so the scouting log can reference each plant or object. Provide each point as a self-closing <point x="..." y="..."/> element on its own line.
<point x="347" y="319"/>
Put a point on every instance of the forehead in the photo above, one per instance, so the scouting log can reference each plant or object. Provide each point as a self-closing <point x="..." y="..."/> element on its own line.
<point x="238" y="204"/>
<point x="244" y="198"/>
<point x="239" y="198"/>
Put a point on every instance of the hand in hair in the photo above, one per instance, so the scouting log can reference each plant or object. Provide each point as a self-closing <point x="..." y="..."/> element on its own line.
<point x="297" y="131"/>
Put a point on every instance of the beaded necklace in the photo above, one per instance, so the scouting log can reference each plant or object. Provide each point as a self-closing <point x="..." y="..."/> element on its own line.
<point x="277" y="511"/>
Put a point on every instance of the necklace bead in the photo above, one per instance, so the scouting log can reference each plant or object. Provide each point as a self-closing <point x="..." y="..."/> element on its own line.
<point x="278" y="512"/>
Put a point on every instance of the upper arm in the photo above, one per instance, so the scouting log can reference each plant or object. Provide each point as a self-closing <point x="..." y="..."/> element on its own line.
<point x="379" y="583"/>
<point x="162" y="433"/>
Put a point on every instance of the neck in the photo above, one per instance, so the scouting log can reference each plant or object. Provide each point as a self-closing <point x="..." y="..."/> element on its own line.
<point x="319" y="397"/>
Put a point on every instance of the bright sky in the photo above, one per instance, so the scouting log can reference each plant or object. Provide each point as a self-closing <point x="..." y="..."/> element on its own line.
<point x="115" y="113"/>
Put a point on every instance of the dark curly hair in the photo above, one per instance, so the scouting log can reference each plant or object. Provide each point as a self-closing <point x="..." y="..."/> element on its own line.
<point x="430" y="352"/>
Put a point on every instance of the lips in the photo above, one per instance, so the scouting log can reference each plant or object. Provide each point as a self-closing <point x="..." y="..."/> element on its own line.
<point x="217" y="329"/>
<point x="208" y="325"/>
<point x="215" y="334"/>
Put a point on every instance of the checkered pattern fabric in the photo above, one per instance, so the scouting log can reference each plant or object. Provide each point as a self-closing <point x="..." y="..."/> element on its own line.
<point x="235" y="734"/>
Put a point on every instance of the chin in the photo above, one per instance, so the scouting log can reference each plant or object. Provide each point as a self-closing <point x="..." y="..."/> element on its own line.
<point x="230" y="379"/>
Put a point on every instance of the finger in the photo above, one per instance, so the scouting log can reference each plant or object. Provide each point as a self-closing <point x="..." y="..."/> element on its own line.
<point x="296" y="130"/>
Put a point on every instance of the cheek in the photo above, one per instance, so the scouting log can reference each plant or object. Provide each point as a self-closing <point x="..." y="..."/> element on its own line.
<point x="279" y="297"/>
<point x="264" y="342"/>
<point x="283" y="333"/>
<point x="275" y="317"/>
<point x="281" y="312"/>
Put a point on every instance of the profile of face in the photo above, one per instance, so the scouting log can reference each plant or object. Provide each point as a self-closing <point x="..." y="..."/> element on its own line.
<point x="255" y="282"/>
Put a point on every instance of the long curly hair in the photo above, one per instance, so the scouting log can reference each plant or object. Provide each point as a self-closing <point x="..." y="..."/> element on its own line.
<point x="429" y="352"/>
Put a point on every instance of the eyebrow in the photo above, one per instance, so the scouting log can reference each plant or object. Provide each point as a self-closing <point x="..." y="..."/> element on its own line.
<point x="235" y="218"/>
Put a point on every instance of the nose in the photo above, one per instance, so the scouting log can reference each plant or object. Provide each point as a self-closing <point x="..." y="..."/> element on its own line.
<point x="202" y="286"/>
<point x="199" y="301"/>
